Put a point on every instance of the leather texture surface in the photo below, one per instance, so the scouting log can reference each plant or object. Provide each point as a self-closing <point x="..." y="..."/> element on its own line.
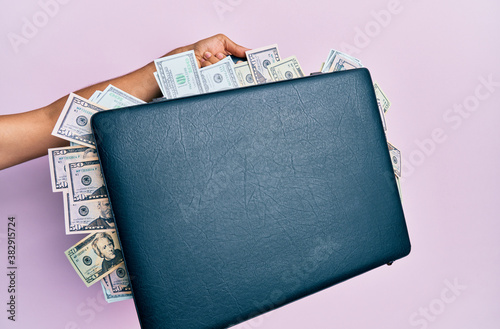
<point x="234" y="203"/>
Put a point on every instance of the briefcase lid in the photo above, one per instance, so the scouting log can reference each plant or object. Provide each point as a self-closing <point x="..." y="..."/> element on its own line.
<point x="233" y="203"/>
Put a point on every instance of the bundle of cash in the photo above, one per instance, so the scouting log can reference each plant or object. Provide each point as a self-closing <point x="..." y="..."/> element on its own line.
<point x="338" y="61"/>
<point x="76" y="171"/>
<point x="178" y="75"/>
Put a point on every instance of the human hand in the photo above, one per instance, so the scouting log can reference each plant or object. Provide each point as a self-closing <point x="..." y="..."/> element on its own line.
<point x="211" y="50"/>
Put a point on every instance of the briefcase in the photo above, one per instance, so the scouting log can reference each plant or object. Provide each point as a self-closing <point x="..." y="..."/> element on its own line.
<point x="233" y="203"/>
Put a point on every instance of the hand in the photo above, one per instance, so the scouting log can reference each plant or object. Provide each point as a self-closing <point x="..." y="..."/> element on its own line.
<point x="16" y="145"/>
<point x="211" y="50"/>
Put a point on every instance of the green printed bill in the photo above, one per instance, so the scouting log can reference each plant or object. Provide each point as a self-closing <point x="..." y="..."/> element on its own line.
<point x="383" y="103"/>
<point x="338" y="61"/>
<point x="74" y="122"/>
<point x="115" y="98"/>
<point x="398" y="182"/>
<point x="118" y="281"/>
<point x="259" y="59"/>
<point x="113" y="297"/>
<point x="95" y="96"/>
<point x="85" y="181"/>
<point x="95" y="256"/>
<point x="382" y="99"/>
<point x="58" y="157"/>
<point x="116" y="285"/>
<point x="395" y="159"/>
<point x="219" y="76"/>
<point x="88" y="216"/>
<point x="243" y="74"/>
<point x="285" y="69"/>
<point x="179" y="75"/>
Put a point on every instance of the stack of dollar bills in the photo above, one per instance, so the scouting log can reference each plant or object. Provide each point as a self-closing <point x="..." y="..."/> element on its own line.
<point x="76" y="171"/>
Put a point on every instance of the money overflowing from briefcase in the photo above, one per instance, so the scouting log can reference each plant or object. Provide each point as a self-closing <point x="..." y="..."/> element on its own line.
<point x="75" y="170"/>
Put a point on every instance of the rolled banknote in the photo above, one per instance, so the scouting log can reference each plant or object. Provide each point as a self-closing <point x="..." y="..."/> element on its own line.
<point x="74" y="122"/>
<point x="285" y="69"/>
<point x="259" y="59"/>
<point x="243" y="74"/>
<point x="395" y="158"/>
<point x="85" y="181"/>
<point x="57" y="162"/>
<point x="95" y="256"/>
<point x="115" y="98"/>
<point x="219" y="76"/>
<point x="87" y="217"/>
<point x="179" y="75"/>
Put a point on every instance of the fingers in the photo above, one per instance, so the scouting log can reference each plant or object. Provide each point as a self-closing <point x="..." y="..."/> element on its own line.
<point x="209" y="58"/>
<point x="233" y="48"/>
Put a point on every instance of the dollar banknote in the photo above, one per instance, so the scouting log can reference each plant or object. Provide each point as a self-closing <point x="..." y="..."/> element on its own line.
<point x="88" y="216"/>
<point x="95" y="256"/>
<point x="243" y="74"/>
<point x="339" y="61"/>
<point x="382" y="102"/>
<point x="111" y="298"/>
<point x="381" y="97"/>
<point x="92" y="99"/>
<point x="179" y="75"/>
<point x="398" y="183"/>
<point x="85" y="181"/>
<point x="219" y="76"/>
<point x="115" y="98"/>
<point x="395" y="158"/>
<point x="285" y="69"/>
<point x="382" y="115"/>
<point x="57" y="162"/>
<point x="95" y="96"/>
<point x="118" y="281"/>
<point x="259" y="59"/>
<point x="74" y="122"/>
<point x="158" y="81"/>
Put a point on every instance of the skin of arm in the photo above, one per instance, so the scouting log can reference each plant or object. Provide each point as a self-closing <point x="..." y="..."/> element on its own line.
<point x="26" y="136"/>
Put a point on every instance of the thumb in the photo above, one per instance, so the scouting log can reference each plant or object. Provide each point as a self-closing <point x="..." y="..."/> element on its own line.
<point x="235" y="49"/>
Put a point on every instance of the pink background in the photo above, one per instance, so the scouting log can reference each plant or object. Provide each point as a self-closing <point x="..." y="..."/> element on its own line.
<point x="428" y="56"/>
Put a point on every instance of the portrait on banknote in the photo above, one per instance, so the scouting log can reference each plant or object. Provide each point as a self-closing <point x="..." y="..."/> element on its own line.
<point x="104" y="247"/>
<point x="95" y="256"/>
<point x="105" y="219"/>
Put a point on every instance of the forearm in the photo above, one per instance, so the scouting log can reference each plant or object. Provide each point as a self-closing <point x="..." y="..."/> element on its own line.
<point x="26" y="136"/>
